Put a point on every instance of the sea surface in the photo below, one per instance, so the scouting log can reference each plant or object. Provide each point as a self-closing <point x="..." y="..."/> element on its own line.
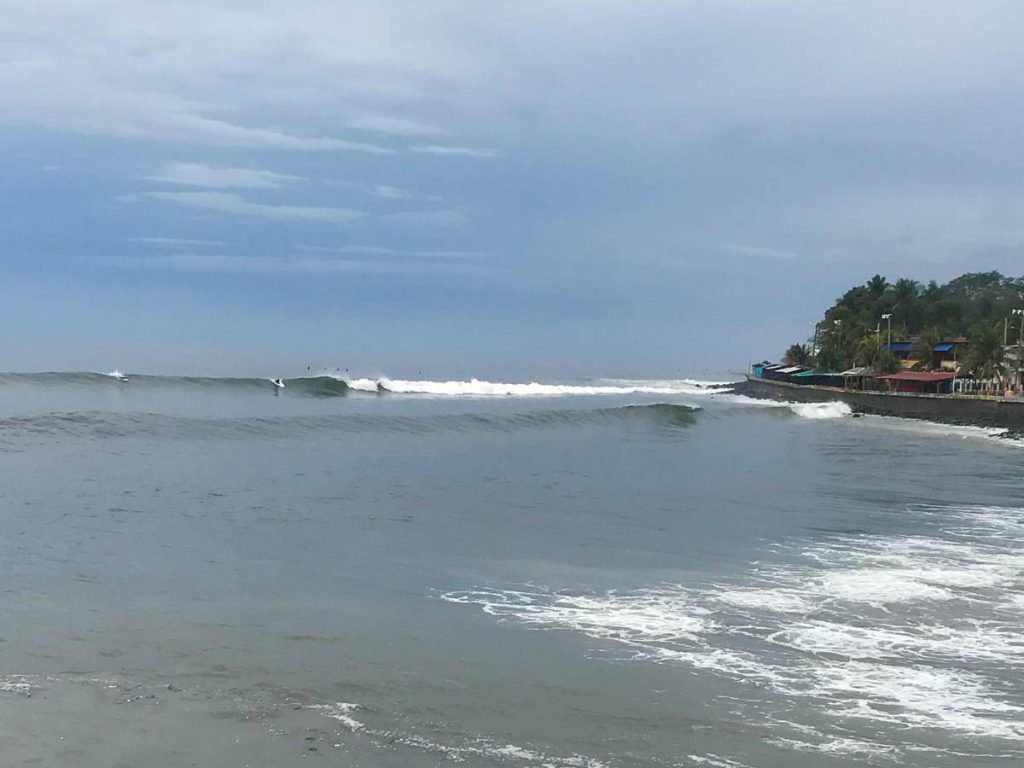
<point x="602" y="574"/>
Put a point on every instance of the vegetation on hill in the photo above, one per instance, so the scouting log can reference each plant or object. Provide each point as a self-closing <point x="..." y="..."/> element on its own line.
<point x="976" y="306"/>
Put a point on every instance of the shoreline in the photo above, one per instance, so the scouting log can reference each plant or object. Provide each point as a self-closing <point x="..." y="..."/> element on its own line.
<point x="959" y="410"/>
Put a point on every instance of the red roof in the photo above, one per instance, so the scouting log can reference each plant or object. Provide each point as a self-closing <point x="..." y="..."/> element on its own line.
<point x="920" y="376"/>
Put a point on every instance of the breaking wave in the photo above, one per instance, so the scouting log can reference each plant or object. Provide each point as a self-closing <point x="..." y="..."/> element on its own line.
<point x="479" y="388"/>
<point x="833" y="410"/>
<point x="914" y="635"/>
<point x="333" y="384"/>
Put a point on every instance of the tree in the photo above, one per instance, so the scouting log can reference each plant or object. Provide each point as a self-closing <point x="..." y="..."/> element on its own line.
<point x="870" y="354"/>
<point x="877" y="286"/>
<point x="797" y="354"/>
<point x="986" y="357"/>
<point x="830" y="358"/>
<point x="904" y="295"/>
<point x="954" y="308"/>
<point x="923" y="349"/>
<point x="887" y="362"/>
<point x="869" y="350"/>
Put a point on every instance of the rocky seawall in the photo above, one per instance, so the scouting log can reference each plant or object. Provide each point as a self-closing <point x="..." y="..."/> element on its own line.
<point x="967" y="410"/>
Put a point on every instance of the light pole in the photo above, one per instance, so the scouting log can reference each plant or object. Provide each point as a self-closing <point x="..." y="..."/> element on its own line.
<point x="888" y="323"/>
<point x="1020" y="343"/>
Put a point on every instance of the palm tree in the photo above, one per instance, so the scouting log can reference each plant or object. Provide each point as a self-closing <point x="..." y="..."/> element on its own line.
<point x="986" y="358"/>
<point x="923" y="349"/>
<point x="904" y="293"/>
<point x="830" y="358"/>
<point x="797" y="354"/>
<point x="869" y="350"/>
<point x="877" y="285"/>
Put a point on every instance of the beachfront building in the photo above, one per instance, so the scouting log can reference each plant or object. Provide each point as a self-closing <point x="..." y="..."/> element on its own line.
<point x="920" y="382"/>
<point x="1013" y="363"/>
<point x="946" y="355"/>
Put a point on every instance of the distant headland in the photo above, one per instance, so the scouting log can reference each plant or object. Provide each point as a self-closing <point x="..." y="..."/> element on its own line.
<point x="950" y="353"/>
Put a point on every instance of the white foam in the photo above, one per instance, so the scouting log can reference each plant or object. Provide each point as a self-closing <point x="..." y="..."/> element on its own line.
<point x="482" y="388"/>
<point x="881" y="585"/>
<point x="776" y="600"/>
<point x="899" y="631"/>
<point x="832" y="410"/>
<point x="985" y="641"/>
<point x="646" y="617"/>
<point x="341" y="711"/>
<point x="458" y="753"/>
<point x="16" y="684"/>
<point x="116" y="374"/>
<point x="715" y="761"/>
<point x="919" y="696"/>
<point x="363" y="385"/>
<point x="845" y="747"/>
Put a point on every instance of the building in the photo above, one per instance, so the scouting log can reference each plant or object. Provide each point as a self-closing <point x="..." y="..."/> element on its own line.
<point x="946" y="355"/>
<point x="920" y="382"/>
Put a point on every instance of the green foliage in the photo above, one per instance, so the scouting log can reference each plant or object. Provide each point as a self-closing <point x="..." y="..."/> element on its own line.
<point x="923" y="347"/>
<point x="869" y="351"/>
<point x="887" y="362"/>
<point x="951" y="310"/>
<point x="797" y="354"/>
<point x="973" y="305"/>
<point x="830" y="359"/>
<point x="986" y="358"/>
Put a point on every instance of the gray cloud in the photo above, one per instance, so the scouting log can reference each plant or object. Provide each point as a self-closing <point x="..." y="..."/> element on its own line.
<point x="758" y="251"/>
<point x="200" y="175"/>
<point x="391" y="193"/>
<point x="370" y="250"/>
<point x="280" y="265"/>
<point x="448" y="217"/>
<point x="443" y="151"/>
<point x="395" y="126"/>
<point x="223" y="202"/>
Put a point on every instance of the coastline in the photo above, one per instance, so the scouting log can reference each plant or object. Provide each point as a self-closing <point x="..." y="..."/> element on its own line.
<point x="961" y="410"/>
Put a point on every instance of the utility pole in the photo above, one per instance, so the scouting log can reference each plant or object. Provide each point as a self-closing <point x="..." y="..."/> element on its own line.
<point x="888" y="322"/>
<point x="1020" y="345"/>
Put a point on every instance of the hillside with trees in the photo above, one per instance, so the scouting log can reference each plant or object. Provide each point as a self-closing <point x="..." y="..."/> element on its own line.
<point x="978" y="306"/>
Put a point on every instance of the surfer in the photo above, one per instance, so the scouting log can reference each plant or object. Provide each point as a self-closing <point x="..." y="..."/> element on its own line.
<point x="279" y="383"/>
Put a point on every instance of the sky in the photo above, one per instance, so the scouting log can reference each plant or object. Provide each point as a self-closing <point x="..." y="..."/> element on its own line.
<point x="519" y="189"/>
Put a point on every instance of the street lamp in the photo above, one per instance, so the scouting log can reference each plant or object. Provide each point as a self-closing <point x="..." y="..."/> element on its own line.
<point x="1020" y="342"/>
<point x="888" y="322"/>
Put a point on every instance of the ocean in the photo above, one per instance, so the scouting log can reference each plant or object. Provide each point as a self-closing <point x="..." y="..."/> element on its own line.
<point x="600" y="574"/>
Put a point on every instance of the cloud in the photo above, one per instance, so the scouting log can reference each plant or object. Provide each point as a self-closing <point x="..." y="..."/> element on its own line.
<point x="205" y="262"/>
<point x="199" y="175"/>
<point x="443" y="151"/>
<point x="372" y="250"/>
<point x="759" y="251"/>
<point x="224" y="202"/>
<point x="173" y="241"/>
<point x="395" y="126"/>
<point x="448" y="217"/>
<point x="70" y="98"/>
<point x="391" y="193"/>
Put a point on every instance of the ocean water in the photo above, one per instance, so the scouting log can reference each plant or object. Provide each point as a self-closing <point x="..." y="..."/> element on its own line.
<point x="577" y="575"/>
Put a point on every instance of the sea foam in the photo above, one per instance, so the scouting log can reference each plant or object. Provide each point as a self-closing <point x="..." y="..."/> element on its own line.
<point x="481" y="388"/>
<point x="852" y="627"/>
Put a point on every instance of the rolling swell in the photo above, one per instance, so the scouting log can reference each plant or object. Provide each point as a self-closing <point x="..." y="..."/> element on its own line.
<point x="105" y="425"/>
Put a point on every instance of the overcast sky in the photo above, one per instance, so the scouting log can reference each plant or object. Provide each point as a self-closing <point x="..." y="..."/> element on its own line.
<point x="518" y="188"/>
